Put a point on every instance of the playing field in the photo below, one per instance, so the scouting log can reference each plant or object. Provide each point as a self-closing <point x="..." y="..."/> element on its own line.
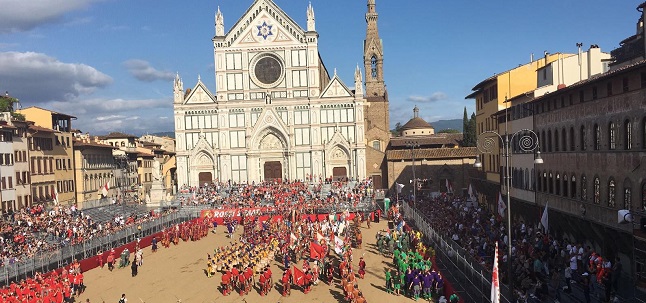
<point x="177" y="273"/>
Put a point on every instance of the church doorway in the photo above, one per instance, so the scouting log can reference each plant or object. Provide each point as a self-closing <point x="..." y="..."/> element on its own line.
<point x="339" y="173"/>
<point x="273" y="171"/>
<point x="376" y="181"/>
<point x="205" y="177"/>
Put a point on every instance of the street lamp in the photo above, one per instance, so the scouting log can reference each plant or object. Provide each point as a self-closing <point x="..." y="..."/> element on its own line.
<point x="527" y="142"/>
<point x="412" y="145"/>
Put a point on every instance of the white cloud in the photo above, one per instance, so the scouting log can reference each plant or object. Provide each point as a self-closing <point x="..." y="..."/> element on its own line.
<point x="437" y="96"/>
<point x="142" y="70"/>
<point x="24" y="15"/>
<point x="36" y="77"/>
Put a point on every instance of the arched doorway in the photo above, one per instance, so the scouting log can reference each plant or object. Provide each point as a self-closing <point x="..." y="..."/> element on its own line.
<point x="205" y="177"/>
<point x="273" y="171"/>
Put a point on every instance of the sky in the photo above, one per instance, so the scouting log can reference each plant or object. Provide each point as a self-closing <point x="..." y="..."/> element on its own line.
<point x="111" y="63"/>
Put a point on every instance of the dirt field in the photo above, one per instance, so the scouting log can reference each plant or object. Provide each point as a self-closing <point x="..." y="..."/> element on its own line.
<point x="177" y="273"/>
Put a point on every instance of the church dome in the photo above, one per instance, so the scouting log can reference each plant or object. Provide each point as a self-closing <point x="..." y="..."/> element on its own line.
<point x="417" y="126"/>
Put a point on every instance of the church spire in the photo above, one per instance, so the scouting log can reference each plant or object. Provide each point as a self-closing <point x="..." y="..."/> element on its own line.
<point x="178" y="89"/>
<point x="219" y="23"/>
<point x="311" y="21"/>
<point x="358" y="83"/>
<point x="373" y="55"/>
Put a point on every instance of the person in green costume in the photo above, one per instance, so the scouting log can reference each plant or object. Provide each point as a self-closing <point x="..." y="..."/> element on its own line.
<point x="389" y="281"/>
<point x="397" y="283"/>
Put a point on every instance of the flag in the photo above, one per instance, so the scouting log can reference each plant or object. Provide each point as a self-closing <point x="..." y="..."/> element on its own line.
<point x="104" y="190"/>
<point x="299" y="277"/>
<point x="544" y="220"/>
<point x="55" y="195"/>
<point x="470" y="192"/>
<point x="338" y="245"/>
<point x="448" y="185"/>
<point x="501" y="205"/>
<point x="316" y="251"/>
<point x="399" y="188"/>
<point x="495" y="283"/>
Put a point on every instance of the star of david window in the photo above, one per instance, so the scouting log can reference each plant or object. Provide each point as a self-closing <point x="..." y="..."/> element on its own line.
<point x="264" y="30"/>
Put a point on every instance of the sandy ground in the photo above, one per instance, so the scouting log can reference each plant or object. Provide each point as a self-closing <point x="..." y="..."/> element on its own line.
<point x="176" y="274"/>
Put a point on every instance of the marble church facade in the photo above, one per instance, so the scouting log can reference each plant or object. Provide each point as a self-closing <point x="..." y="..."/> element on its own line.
<point x="276" y="113"/>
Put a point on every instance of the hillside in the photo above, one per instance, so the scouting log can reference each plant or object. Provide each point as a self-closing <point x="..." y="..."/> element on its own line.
<point x="446" y="124"/>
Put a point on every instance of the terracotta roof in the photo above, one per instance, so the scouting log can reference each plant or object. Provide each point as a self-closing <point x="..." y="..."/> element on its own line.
<point x="117" y="135"/>
<point x="432" y="153"/>
<point x="79" y="143"/>
<point x="144" y="155"/>
<point x="427" y="140"/>
<point x="416" y="123"/>
<point x="42" y="129"/>
<point x="146" y="143"/>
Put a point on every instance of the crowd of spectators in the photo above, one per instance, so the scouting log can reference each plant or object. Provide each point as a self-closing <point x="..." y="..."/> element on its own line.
<point x="543" y="265"/>
<point x="33" y="230"/>
<point x="305" y="197"/>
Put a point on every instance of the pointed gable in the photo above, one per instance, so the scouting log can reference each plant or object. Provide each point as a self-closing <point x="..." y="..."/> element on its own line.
<point x="200" y="95"/>
<point x="264" y="22"/>
<point x="335" y="89"/>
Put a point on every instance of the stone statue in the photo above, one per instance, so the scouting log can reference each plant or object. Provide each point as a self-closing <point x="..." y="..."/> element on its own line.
<point x="157" y="174"/>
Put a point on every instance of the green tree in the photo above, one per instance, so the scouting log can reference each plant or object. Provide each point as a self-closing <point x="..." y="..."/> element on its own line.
<point x="398" y="129"/>
<point x="449" y="131"/>
<point x="469" y="133"/>
<point x="7" y="104"/>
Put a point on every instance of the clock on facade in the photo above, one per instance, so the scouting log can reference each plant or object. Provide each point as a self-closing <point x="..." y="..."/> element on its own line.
<point x="267" y="70"/>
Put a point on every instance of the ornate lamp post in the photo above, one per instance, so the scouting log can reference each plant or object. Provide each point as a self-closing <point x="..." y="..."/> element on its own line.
<point x="527" y="143"/>
<point x="412" y="145"/>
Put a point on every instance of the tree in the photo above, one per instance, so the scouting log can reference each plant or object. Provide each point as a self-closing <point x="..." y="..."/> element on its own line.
<point x="7" y="105"/>
<point x="449" y="131"/>
<point x="398" y="129"/>
<point x="469" y="134"/>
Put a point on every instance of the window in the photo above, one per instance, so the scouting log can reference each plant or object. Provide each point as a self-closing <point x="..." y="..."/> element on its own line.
<point x="238" y="168"/>
<point x="584" y="188"/>
<point x="573" y="187"/>
<point x="612" y="136"/>
<point x="597" y="190"/>
<point x="624" y="84"/>
<point x="612" y="193"/>
<point x="376" y="145"/>
<point x="373" y="67"/>
<point x="549" y="140"/>
<point x="565" y="186"/>
<point x="563" y="140"/>
<point x="571" y="138"/>
<point x="237" y="139"/>
<point x="557" y="185"/>
<point x="302" y="117"/>
<point x="234" y="81"/>
<point x="550" y="183"/>
<point x="234" y="61"/>
<point x="628" y="198"/>
<point x="556" y="140"/>
<point x="299" y="57"/>
<point x="584" y="141"/>
<point x="628" y="135"/>
<point x="299" y="78"/>
<point x="303" y="165"/>
<point x="302" y="136"/>
<point x="597" y="137"/>
<point x="236" y="120"/>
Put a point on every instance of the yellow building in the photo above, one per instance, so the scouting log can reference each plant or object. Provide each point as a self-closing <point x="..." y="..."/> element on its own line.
<point x="490" y="96"/>
<point x="61" y="153"/>
<point x="94" y="169"/>
<point x="145" y="161"/>
<point x="41" y="159"/>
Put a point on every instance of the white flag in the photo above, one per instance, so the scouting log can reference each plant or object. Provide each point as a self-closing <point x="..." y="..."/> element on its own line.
<point x="338" y="245"/>
<point x="55" y="195"/>
<point x="399" y="188"/>
<point x="544" y="219"/>
<point x="105" y="188"/>
<point x="470" y="192"/>
<point x="501" y="205"/>
<point x="495" y="282"/>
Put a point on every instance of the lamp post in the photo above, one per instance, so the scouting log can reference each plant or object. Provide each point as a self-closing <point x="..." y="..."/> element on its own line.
<point x="412" y="145"/>
<point x="527" y="142"/>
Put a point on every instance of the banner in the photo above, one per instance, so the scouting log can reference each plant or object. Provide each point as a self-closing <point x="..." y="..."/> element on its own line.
<point x="495" y="283"/>
<point x="501" y="205"/>
<point x="545" y="220"/>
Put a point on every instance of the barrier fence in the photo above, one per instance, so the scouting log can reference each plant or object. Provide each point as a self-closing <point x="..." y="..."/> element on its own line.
<point x="44" y="262"/>
<point x="472" y="275"/>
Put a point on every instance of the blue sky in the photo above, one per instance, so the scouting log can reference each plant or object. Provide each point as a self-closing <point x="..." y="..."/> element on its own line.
<point x="111" y="62"/>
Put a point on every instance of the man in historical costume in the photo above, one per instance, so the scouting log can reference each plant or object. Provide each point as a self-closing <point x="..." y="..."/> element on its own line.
<point x="134" y="268"/>
<point x="286" y="280"/>
<point x="226" y="283"/>
<point x="362" y="268"/>
<point x="154" y="244"/>
<point x="110" y="260"/>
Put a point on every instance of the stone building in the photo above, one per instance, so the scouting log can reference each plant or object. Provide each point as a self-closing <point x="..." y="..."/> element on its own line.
<point x="437" y="159"/>
<point x="277" y="113"/>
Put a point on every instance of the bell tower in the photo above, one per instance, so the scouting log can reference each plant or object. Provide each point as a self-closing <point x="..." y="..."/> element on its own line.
<point x="373" y="55"/>
<point x="377" y="121"/>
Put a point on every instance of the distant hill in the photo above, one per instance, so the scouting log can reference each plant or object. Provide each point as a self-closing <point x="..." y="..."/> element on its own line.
<point x="445" y="124"/>
<point x="169" y="134"/>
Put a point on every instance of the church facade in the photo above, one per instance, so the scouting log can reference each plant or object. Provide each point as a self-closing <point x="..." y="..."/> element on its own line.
<point x="277" y="113"/>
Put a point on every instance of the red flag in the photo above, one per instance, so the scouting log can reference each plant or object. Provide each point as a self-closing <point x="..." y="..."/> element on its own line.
<point x="299" y="277"/>
<point x="316" y="251"/>
<point x="495" y="283"/>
